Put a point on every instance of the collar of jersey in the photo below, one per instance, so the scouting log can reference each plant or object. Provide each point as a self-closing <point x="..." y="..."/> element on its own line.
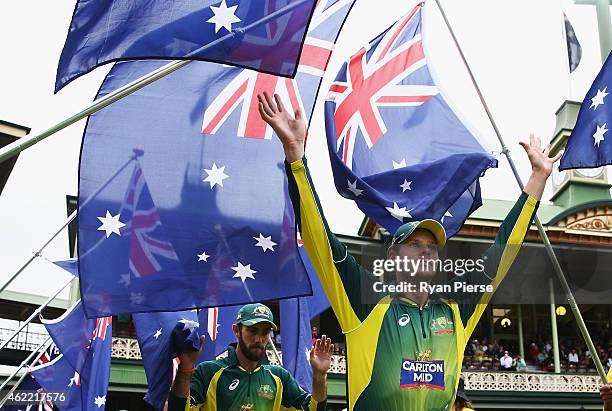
<point x="232" y="358"/>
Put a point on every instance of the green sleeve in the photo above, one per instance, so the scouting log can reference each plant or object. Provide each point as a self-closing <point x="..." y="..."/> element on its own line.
<point x="294" y="397"/>
<point x="497" y="260"/>
<point x="344" y="280"/>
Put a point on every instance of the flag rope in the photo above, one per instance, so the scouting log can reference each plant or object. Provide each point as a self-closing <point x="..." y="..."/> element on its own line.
<point x="551" y="253"/>
<point x="18" y="146"/>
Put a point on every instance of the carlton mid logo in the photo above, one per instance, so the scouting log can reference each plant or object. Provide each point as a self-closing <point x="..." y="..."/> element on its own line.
<point x="428" y="374"/>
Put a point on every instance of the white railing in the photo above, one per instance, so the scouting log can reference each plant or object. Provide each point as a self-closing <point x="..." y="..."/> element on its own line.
<point x="541" y="382"/>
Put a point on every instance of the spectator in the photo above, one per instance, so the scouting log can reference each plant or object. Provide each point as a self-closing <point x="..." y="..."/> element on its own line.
<point x="315" y="335"/>
<point x="533" y="351"/>
<point x="519" y="364"/>
<point x="506" y="362"/>
<point x="478" y="354"/>
<point x="573" y="357"/>
<point x="541" y="358"/>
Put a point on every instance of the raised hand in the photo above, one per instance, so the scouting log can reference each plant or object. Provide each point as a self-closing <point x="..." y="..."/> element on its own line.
<point x="188" y="358"/>
<point x="320" y="355"/>
<point x="539" y="159"/>
<point x="290" y="129"/>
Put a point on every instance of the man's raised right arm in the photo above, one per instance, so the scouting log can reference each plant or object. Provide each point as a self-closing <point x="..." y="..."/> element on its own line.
<point x="340" y="274"/>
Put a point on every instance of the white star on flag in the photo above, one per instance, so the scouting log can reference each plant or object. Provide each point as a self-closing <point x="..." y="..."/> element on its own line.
<point x="110" y="224"/>
<point x="447" y="214"/>
<point x="100" y="400"/>
<point x="72" y="381"/>
<point x="125" y="279"/>
<point x="215" y="175"/>
<point x="599" y="134"/>
<point x="599" y="98"/>
<point x="157" y="333"/>
<point x="400" y="164"/>
<point x="223" y="16"/>
<point x="243" y="272"/>
<point x="406" y="185"/>
<point x="265" y="243"/>
<point x="399" y="212"/>
<point x="136" y="298"/>
<point x="352" y="187"/>
<point x="203" y="257"/>
<point x="189" y="324"/>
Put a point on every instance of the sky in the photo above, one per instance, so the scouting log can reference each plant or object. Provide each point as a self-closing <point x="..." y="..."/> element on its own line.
<point x="516" y="50"/>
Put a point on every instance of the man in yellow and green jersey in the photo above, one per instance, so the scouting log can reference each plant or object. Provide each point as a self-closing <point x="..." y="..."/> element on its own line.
<point x="244" y="381"/>
<point x="404" y="351"/>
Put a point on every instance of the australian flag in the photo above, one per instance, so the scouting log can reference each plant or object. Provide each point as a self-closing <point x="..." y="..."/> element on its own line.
<point x="83" y="368"/>
<point x="264" y="35"/>
<point x="396" y="146"/>
<point x="162" y="337"/>
<point x="587" y="146"/>
<point x="217" y="327"/>
<point x="206" y="228"/>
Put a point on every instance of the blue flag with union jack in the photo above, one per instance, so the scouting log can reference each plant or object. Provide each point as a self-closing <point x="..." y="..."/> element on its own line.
<point x="217" y="327"/>
<point x="162" y="337"/>
<point x="396" y="146"/>
<point x="264" y="35"/>
<point x="211" y="224"/>
<point x="83" y="368"/>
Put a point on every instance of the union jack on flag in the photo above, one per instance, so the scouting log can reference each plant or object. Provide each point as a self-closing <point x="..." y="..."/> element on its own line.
<point x="245" y="87"/>
<point x="148" y="244"/>
<point x="396" y="146"/>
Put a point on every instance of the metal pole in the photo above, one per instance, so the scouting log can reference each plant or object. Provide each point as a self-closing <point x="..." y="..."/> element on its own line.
<point x="23" y="143"/>
<point x="521" y="339"/>
<point x="553" y="326"/>
<point x="16" y="385"/>
<point x="23" y="363"/>
<point x="605" y="30"/>
<point x="34" y="315"/>
<point x="137" y="153"/>
<point x="547" y="244"/>
<point x="276" y="354"/>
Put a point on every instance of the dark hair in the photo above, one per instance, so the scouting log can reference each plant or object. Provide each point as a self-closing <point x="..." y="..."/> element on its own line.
<point x="463" y="403"/>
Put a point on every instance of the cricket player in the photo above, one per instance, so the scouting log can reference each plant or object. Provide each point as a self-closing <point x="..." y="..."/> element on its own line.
<point x="404" y="351"/>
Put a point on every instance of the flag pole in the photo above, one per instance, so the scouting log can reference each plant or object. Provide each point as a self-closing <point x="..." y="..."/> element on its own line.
<point x="42" y="345"/>
<point x="551" y="253"/>
<point x="137" y="153"/>
<point x="276" y="354"/>
<point x="18" y="146"/>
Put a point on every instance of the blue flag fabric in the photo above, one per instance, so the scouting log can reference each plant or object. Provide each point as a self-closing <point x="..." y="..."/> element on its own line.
<point x="71" y="265"/>
<point x="163" y="336"/>
<point x="84" y="370"/>
<point x="204" y="229"/>
<point x="217" y="321"/>
<point x="59" y="376"/>
<point x="30" y="384"/>
<point x="587" y="146"/>
<point x="72" y="334"/>
<point x="226" y="31"/>
<point x="296" y="314"/>
<point x="396" y="147"/>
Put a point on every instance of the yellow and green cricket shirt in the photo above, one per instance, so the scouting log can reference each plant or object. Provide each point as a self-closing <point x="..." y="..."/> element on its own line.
<point x="399" y="356"/>
<point x="223" y="385"/>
